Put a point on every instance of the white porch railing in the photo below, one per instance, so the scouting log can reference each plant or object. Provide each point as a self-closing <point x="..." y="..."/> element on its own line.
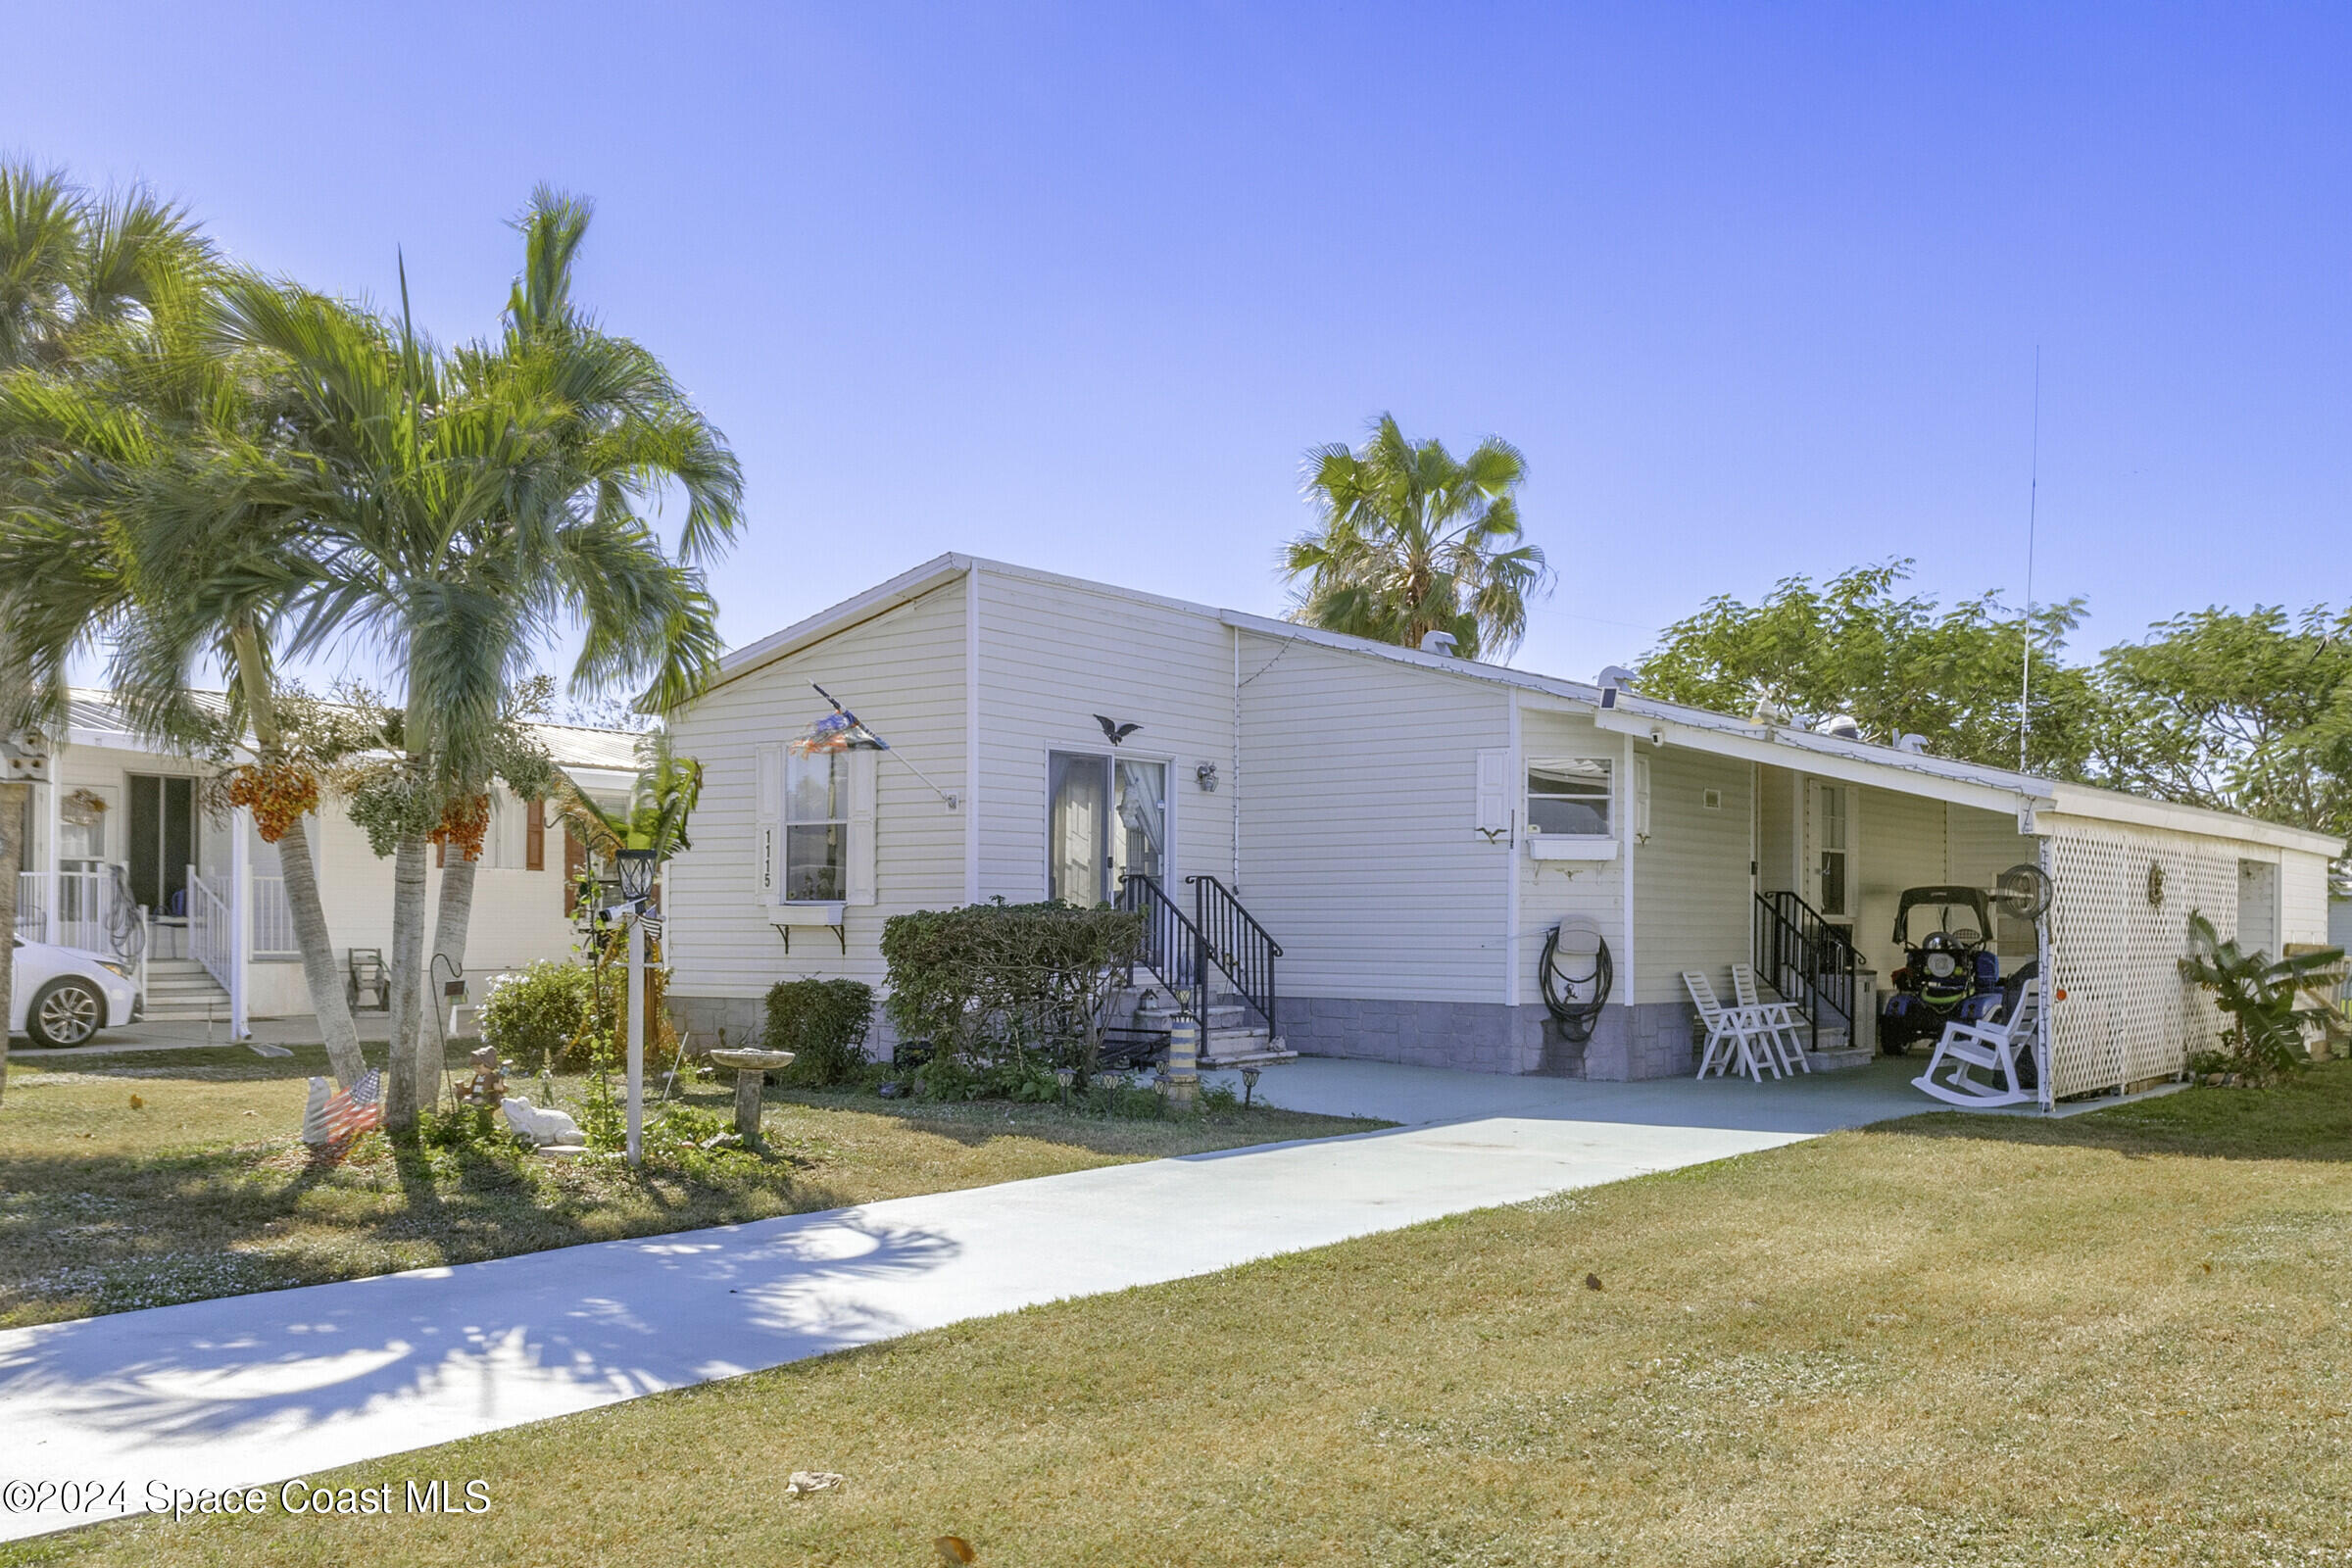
<point x="272" y="921"/>
<point x="86" y="916"/>
<point x="212" y="933"/>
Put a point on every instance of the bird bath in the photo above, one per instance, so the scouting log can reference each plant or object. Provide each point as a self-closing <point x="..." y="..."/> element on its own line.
<point x="752" y="1068"/>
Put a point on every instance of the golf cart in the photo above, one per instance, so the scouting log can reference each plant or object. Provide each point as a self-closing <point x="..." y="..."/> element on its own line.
<point x="1950" y="973"/>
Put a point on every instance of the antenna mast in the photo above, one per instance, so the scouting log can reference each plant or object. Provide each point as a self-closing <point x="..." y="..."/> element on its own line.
<point x="2025" y="684"/>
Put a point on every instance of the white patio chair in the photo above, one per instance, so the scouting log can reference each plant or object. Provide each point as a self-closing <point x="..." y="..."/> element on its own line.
<point x="1732" y="1034"/>
<point x="1781" y="1023"/>
<point x="1989" y="1047"/>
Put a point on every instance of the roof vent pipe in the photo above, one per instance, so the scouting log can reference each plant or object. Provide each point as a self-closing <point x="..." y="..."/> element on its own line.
<point x="1916" y="745"/>
<point x="1438" y="642"/>
<point x="1844" y="727"/>
<point x="1616" y="679"/>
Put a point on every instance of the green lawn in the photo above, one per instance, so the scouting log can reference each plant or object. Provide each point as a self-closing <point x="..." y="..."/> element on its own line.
<point x="203" y="1187"/>
<point x="2117" y="1339"/>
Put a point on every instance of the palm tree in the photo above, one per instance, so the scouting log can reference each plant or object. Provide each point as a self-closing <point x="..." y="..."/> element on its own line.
<point x="1413" y="541"/>
<point x="470" y="503"/>
<point x="79" y="277"/>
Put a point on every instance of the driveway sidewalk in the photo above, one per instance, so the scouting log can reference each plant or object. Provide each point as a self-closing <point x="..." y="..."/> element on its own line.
<point x="254" y="1389"/>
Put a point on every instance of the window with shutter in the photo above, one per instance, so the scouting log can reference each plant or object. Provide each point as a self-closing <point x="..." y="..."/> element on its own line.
<point x="534" y="836"/>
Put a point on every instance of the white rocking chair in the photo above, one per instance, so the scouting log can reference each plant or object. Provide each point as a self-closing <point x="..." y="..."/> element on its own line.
<point x="1783" y="1025"/>
<point x="1734" y="1035"/>
<point x="1989" y="1048"/>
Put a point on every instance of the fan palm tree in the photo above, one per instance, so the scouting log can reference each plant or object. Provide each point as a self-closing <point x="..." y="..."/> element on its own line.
<point x="469" y="505"/>
<point x="1413" y="541"/>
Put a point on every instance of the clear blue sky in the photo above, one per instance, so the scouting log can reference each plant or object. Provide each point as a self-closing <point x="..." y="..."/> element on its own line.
<point x="1757" y="289"/>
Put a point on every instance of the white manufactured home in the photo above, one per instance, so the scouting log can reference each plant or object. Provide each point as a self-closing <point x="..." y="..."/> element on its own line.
<point x="125" y="856"/>
<point x="1369" y="846"/>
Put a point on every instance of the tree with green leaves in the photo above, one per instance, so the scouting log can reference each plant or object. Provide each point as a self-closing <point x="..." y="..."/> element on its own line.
<point x="83" y="279"/>
<point x="469" y="506"/>
<point x="1899" y="664"/>
<point x="1411" y="540"/>
<point x="2240" y="711"/>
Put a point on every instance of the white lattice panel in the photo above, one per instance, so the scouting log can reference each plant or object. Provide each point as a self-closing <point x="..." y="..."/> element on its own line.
<point x="2127" y="1014"/>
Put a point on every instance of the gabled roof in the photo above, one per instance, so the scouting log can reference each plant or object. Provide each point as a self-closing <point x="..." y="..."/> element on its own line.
<point x="1863" y="762"/>
<point x="94" y="718"/>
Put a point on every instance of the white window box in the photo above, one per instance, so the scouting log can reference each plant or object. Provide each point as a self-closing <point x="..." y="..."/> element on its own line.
<point x="1570" y="847"/>
<point x="813" y="914"/>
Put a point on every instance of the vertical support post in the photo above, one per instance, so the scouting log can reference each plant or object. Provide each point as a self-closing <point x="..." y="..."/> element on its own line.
<point x="53" y="828"/>
<point x="1511" y="875"/>
<point x="240" y="918"/>
<point x="971" y="733"/>
<point x="636" y="1039"/>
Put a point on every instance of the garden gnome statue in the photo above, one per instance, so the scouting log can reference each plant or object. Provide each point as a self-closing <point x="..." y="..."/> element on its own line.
<point x="488" y="1087"/>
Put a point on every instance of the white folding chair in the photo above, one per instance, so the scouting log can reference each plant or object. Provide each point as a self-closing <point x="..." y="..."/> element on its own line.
<point x="1991" y="1047"/>
<point x="1732" y="1034"/>
<point x="1782" y="1024"/>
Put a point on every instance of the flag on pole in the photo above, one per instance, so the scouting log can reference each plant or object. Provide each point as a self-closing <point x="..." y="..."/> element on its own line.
<point x="838" y="731"/>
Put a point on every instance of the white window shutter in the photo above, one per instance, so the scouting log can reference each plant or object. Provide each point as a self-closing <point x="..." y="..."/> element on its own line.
<point x="1494" y="792"/>
<point x="864" y="766"/>
<point x="768" y="811"/>
<point x="1641" y="799"/>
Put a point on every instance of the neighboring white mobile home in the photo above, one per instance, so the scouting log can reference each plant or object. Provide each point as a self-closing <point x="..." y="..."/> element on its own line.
<point x="1405" y="827"/>
<point x="120" y="841"/>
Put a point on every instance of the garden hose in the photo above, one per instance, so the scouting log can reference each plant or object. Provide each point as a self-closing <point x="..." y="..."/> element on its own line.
<point x="1576" y="1015"/>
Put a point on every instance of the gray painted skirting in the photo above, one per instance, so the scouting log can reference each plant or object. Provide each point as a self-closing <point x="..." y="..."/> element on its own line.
<point x="1649" y="1041"/>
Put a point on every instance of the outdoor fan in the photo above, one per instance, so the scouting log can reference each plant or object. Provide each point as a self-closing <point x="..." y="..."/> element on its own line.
<point x="2023" y="893"/>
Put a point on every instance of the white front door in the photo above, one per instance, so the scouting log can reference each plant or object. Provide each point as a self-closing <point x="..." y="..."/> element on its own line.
<point x="1828" y="866"/>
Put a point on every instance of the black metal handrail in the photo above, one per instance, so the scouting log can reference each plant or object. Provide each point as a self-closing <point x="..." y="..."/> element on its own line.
<point x="1173" y="948"/>
<point x="1232" y="939"/>
<point x="1807" y="959"/>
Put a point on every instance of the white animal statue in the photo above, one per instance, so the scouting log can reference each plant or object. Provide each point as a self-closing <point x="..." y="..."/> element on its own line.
<point x="538" y="1125"/>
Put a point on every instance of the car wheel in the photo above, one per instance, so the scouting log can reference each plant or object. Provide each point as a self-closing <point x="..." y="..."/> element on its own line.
<point x="65" y="1011"/>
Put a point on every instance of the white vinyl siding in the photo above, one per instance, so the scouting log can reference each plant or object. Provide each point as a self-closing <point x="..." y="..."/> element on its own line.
<point x="1690" y="888"/>
<point x="1360" y="843"/>
<point x="901" y="671"/>
<point x="1054" y="655"/>
<point x="1589" y="892"/>
<point x="2302" y="898"/>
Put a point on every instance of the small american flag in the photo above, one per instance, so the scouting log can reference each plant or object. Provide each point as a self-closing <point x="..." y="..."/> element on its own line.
<point x="351" y="1112"/>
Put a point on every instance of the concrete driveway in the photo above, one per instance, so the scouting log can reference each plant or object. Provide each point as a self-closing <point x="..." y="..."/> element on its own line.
<point x="254" y="1389"/>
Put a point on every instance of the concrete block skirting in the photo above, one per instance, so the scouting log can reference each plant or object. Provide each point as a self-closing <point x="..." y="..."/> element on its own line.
<point x="1649" y="1041"/>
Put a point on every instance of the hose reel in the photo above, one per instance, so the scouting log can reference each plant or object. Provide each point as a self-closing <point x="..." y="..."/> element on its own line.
<point x="1577" y="975"/>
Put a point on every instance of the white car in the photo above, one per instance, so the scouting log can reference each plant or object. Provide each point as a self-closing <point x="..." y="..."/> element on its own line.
<point x="63" y="996"/>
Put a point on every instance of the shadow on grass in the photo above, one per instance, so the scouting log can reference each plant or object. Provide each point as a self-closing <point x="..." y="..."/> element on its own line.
<point x="976" y="1123"/>
<point x="2307" y="1117"/>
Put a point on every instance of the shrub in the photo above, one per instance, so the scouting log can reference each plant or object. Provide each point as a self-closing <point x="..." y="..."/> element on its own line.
<point x="2259" y="996"/>
<point x="1002" y="990"/>
<point x="823" y="1024"/>
<point x="533" y="1016"/>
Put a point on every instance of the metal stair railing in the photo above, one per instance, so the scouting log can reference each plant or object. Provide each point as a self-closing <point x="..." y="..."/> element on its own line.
<point x="1173" y="948"/>
<point x="1807" y="959"/>
<point x="1232" y="939"/>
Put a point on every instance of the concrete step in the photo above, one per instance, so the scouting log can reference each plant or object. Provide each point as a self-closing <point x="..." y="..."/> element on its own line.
<point x="1243" y="1047"/>
<point x="183" y="988"/>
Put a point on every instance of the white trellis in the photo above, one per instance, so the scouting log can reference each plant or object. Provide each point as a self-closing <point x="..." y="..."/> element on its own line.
<point x="2119" y="1013"/>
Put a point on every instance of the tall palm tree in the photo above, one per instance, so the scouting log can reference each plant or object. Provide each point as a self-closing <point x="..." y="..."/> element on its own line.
<point x="80" y="275"/>
<point x="624" y="429"/>
<point x="469" y="505"/>
<point x="1411" y="541"/>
